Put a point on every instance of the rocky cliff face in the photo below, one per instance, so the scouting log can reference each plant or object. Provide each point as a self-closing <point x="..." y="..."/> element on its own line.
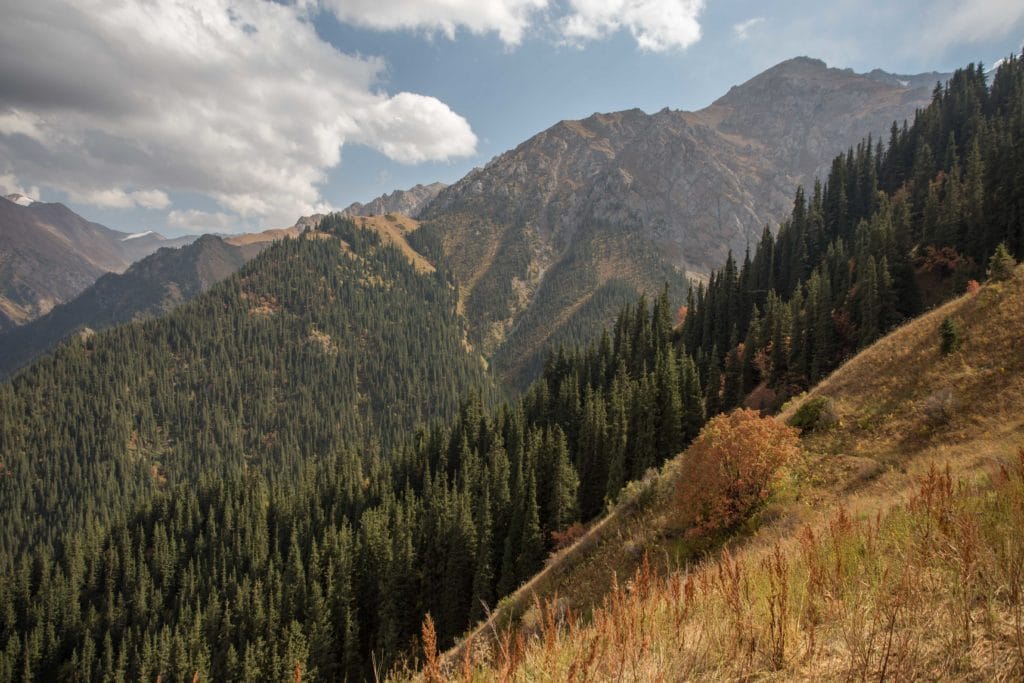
<point x="672" y="189"/>
<point x="408" y="202"/>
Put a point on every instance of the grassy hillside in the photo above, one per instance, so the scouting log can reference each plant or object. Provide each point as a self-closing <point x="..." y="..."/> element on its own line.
<point x="892" y="548"/>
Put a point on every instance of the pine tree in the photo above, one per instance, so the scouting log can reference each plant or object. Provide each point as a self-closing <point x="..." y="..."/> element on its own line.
<point x="1001" y="264"/>
<point x="483" y="577"/>
<point x="564" y="508"/>
<point x="593" y="454"/>
<point x="531" y="542"/>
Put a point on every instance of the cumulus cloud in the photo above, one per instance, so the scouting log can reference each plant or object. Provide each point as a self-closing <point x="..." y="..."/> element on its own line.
<point x="743" y="28"/>
<point x="9" y="184"/>
<point x="508" y="18"/>
<point x="412" y="128"/>
<point x="117" y="198"/>
<point x="656" y="25"/>
<point x="952" y="22"/>
<point x="194" y="220"/>
<point x="118" y="104"/>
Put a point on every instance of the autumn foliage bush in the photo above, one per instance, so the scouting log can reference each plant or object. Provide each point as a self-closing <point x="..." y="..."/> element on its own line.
<point x="727" y="473"/>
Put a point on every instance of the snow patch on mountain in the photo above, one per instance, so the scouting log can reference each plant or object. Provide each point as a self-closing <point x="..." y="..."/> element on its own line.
<point x="20" y="199"/>
<point x="140" y="234"/>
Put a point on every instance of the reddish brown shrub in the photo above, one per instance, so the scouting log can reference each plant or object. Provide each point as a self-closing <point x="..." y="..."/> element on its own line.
<point x="973" y="287"/>
<point x="943" y="261"/>
<point x="762" y="399"/>
<point x="568" y="536"/>
<point x="726" y="474"/>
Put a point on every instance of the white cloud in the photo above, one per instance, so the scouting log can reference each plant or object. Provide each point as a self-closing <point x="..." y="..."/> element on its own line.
<point x="508" y="18"/>
<point x="656" y="25"/>
<point x="412" y="128"/>
<point x="117" y="198"/>
<point x="194" y="220"/>
<point x="121" y="103"/>
<point x="9" y="184"/>
<point x="954" y="22"/>
<point x="742" y="29"/>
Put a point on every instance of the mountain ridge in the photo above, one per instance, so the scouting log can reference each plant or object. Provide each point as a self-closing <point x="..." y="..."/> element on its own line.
<point x="49" y="254"/>
<point x="408" y="202"/>
<point x="686" y="187"/>
<point x="151" y="286"/>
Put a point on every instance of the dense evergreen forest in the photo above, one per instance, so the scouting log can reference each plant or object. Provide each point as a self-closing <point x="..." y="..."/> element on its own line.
<point x="327" y="343"/>
<point x="892" y="230"/>
<point x="333" y="561"/>
<point x="272" y="506"/>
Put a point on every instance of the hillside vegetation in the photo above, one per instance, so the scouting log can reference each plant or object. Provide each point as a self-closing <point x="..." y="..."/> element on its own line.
<point x="154" y="285"/>
<point x="315" y="347"/>
<point x="891" y="548"/>
<point x="291" y="471"/>
<point x="893" y="229"/>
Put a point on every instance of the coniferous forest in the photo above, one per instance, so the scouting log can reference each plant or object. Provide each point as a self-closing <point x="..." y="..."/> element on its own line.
<point x="298" y="465"/>
<point x="893" y="229"/>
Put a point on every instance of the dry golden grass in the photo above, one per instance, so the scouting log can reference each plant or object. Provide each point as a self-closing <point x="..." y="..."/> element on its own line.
<point x="262" y="237"/>
<point x="932" y="589"/>
<point x="393" y="228"/>
<point x="895" y="548"/>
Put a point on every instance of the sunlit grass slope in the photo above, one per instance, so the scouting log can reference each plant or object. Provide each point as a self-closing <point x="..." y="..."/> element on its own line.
<point x="893" y="548"/>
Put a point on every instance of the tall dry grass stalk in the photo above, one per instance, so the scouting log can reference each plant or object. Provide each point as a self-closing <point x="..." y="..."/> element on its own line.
<point x="931" y="589"/>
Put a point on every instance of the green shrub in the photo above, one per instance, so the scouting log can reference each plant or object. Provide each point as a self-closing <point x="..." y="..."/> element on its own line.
<point x="1001" y="265"/>
<point x="815" y="413"/>
<point x="950" y="335"/>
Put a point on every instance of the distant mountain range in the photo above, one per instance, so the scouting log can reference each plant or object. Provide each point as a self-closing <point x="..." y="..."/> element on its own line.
<point x="49" y="254"/>
<point x="549" y="239"/>
<point x="151" y="286"/>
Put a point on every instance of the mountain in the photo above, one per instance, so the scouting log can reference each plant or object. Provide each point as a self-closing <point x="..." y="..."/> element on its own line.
<point x="150" y="287"/>
<point x="48" y="254"/>
<point x="330" y="346"/>
<point x="548" y="240"/>
<point x="140" y="244"/>
<point x="408" y="202"/>
<point x="167" y="278"/>
<point x="238" y="490"/>
<point x="939" y="391"/>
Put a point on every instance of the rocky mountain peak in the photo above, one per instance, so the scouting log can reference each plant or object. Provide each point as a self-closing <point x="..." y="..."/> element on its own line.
<point x="408" y="202"/>
<point x="680" y="189"/>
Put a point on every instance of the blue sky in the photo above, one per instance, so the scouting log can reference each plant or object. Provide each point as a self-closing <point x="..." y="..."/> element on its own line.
<point x="229" y="115"/>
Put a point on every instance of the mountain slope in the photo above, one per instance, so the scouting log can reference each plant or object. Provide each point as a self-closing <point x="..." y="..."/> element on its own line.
<point x="894" y="545"/>
<point x="322" y="345"/>
<point x="684" y="187"/>
<point x="149" y="287"/>
<point x="48" y="254"/>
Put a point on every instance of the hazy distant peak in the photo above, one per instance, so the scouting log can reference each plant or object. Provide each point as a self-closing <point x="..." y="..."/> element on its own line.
<point x="922" y="80"/>
<point x="812" y="70"/>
